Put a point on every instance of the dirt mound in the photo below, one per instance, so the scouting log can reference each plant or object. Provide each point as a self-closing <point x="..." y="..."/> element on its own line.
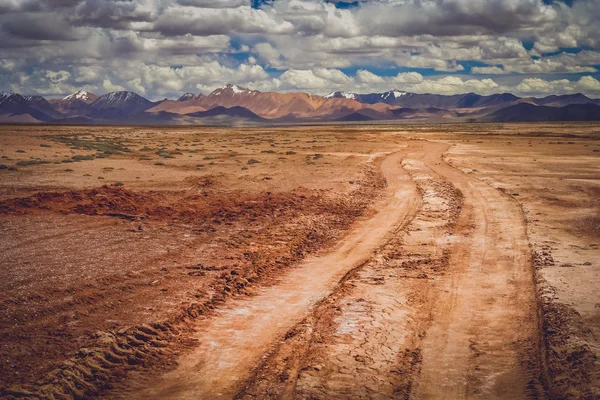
<point x="97" y="201"/>
<point x="124" y="203"/>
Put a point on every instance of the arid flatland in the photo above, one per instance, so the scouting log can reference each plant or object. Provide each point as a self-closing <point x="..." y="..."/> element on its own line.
<point x="426" y="261"/>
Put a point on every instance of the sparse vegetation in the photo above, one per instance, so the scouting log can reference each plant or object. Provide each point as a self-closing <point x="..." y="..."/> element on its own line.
<point x="78" y="158"/>
<point x="26" y="163"/>
<point x="99" y="144"/>
<point x="187" y="237"/>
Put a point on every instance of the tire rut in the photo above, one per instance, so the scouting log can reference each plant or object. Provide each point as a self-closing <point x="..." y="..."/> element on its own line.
<point x="445" y="309"/>
<point x="231" y="343"/>
<point x="362" y="342"/>
<point x="484" y="340"/>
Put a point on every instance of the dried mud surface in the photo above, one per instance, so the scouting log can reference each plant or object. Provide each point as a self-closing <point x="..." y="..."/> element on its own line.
<point x="441" y="261"/>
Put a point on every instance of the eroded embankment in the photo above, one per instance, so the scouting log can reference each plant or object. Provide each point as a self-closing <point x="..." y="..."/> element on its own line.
<point x="572" y="366"/>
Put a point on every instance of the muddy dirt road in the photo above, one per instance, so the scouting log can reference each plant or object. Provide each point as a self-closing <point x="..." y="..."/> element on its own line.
<point x="242" y="332"/>
<point x="483" y="341"/>
<point x="432" y="297"/>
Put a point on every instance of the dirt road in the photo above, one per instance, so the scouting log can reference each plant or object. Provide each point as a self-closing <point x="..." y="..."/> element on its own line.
<point x="277" y="263"/>
<point x="483" y="341"/>
<point x="432" y="297"/>
<point x="232" y="344"/>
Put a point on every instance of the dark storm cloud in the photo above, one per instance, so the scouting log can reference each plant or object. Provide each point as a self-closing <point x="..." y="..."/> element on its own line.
<point x="35" y="5"/>
<point x="448" y="18"/>
<point x="19" y="6"/>
<point x="214" y="4"/>
<point x="111" y="14"/>
<point x="212" y="21"/>
<point x="40" y="26"/>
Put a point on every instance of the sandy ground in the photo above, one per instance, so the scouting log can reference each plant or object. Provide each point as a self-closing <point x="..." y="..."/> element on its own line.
<point x="443" y="261"/>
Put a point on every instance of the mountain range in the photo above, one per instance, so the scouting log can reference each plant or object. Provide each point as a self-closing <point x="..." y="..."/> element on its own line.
<point x="232" y="104"/>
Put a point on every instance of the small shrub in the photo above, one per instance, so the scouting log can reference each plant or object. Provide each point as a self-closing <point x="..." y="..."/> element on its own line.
<point x="83" y="158"/>
<point x="31" y="162"/>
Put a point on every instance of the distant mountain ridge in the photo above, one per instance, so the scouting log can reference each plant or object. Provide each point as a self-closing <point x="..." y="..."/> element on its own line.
<point x="233" y="102"/>
<point x="525" y="112"/>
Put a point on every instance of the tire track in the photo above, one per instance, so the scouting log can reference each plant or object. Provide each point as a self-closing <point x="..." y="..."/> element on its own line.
<point x="444" y="310"/>
<point x="232" y="343"/>
<point x="483" y="342"/>
<point x="362" y="342"/>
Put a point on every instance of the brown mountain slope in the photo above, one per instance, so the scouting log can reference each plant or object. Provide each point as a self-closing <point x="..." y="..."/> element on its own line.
<point x="78" y="103"/>
<point x="179" y="107"/>
<point x="276" y="105"/>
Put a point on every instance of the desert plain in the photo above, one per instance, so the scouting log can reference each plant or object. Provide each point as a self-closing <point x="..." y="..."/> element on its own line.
<point x="313" y="262"/>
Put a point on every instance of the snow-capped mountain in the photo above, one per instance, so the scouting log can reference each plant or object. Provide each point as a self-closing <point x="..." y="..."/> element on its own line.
<point x="230" y="90"/>
<point x="400" y="98"/>
<point x="340" y="95"/>
<point x="119" y="99"/>
<point x="372" y="98"/>
<point x="7" y="98"/>
<point x="75" y="104"/>
<point x="82" y="95"/>
<point x="123" y="103"/>
<point x="191" y="96"/>
<point x="13" y="104"/>
<point x="394" y="93"/>
<point x="231" y="96"/>
<point x="43" y="105"/>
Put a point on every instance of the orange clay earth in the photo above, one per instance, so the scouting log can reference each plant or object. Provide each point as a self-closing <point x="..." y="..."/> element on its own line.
<point x="356" y="262"/>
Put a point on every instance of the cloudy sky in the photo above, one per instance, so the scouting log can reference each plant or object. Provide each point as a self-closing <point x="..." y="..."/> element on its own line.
<point x="163" y="48"/>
